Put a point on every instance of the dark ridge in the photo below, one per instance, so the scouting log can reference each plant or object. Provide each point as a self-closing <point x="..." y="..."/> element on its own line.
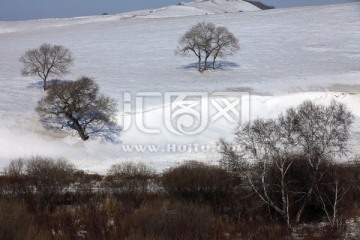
<point x="260" y="5"/>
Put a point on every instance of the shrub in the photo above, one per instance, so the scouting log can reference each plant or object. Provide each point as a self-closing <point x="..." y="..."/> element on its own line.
<point x="131" y="182"/>
<point x="130" y="177"/>
<point x="197" y="182"/>
<point x="48" y="177"/>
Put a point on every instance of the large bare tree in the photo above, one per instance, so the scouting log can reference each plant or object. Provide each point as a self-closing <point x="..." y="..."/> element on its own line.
<point x="45" y="61"/>
<point x="78" y="105"/>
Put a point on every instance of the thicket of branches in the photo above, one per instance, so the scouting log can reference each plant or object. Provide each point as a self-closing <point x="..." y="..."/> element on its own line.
<point x="288" y="160"/>
<point x="44" y="198"/>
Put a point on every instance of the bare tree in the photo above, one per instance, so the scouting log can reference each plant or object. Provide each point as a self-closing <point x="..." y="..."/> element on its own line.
<point x="225" y="44"/>
<point x="205" y="40"/>
<point x="313" y="133"/>
<point x="191" y="43"/>
<point x="267" y="143"/>
<point x="45" y="61"/>
<point x="331" y="193"/>
<point x="78" y="105"/>
<point x="322" y="134"/>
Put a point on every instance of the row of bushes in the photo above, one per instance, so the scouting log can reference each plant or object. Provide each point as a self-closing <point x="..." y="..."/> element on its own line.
<point x="44" y="198"/>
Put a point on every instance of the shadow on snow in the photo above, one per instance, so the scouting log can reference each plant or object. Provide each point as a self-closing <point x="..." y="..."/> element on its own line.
<point x="104" y="132"/>
<point x="219" y="65"/>
<point x="40" y="84"/>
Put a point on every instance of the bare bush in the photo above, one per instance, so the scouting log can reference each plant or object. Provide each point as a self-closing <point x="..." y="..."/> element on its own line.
<point x="131" y="170"/>
<point x="132" y="183"/>
<point x="197" y="182"/>
<point x="15" y="168"/>
<point x="50" y="177"/>
<point x="45" y="61"/>
<point x="15" y="183"/>
<point x="130" y="177"/>
<point x="80" y="103"/>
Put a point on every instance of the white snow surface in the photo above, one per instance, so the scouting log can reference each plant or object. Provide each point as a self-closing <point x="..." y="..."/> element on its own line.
<point x="287" y="56"/>
<point x="203" y="7"/>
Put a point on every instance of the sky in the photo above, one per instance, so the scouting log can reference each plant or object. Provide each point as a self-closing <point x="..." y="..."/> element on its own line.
<point x="13" y="10"/>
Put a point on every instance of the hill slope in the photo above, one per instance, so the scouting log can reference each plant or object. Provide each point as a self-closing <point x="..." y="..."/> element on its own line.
<point x="201" y="7"/>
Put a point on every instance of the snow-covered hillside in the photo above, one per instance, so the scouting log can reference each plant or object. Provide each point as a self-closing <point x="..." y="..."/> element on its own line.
<point x="202" y="7"/>
<point x="287" y="56"/>
<point x="197" y="8"/>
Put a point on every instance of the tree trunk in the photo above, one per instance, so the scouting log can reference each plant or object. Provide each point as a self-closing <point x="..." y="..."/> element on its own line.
<point x="80" y="130"/>
<point x="213" y="65"/>
<point x="44" y="78"/>
<point x="45" y="84"/>
<point x="306" y="201"/>
<point x="205" y="64"/>
<point x="199" y="64"/>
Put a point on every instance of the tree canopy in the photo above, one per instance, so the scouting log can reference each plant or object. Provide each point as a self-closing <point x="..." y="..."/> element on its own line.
<point x="205" y="40"/>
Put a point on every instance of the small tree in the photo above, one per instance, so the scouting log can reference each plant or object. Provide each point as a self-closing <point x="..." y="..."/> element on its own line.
<point x="45" y="61"/>
<point x="206" y="40"/>
<point x="191" y="42"/>
<point x="225" y="44"/>
<point x="77" y="105"/>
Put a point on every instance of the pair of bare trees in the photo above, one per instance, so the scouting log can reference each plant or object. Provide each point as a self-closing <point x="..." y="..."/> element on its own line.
<point x="205" y="40"/>
<point x="284" y="160"/>
<point x="77" y="104"/>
